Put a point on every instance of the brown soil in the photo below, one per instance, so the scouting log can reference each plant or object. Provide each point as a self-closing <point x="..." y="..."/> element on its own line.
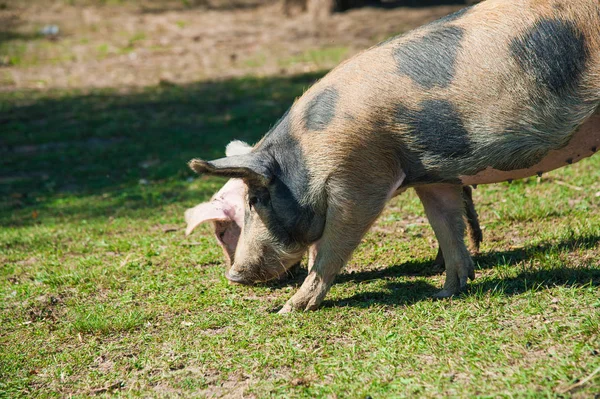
<point x="127" y="45"/>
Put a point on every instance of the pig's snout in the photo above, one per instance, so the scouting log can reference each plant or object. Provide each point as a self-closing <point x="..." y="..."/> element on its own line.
<point x="237" y="278"/>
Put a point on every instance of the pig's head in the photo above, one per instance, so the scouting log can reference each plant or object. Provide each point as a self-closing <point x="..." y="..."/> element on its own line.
<point x="275" y="228"/>
<point x="225" y="209"/>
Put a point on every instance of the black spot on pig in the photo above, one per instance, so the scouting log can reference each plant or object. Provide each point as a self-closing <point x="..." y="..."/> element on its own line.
<point x="439" y="128"/>
<point x="514" y="152"/>
<point x="321" y="109"/>
<point x="434" y="134"/>
<point x="290" y="220"/>
<point x="430" y="60"/>
<point x="553" y="51"/>
<point x="436" y="128"/>
<point x="411" y="162"/>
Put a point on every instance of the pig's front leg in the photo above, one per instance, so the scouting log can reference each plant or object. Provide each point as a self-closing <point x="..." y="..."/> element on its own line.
<point x="316" y="285"/>
<point x="444" y="208"/>
<point x="343" y="232"/>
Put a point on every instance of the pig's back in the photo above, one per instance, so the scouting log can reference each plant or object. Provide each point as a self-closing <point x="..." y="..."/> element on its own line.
<point x="499" y="87"/>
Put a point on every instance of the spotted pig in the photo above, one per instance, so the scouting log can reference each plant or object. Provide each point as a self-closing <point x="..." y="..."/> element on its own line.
<point x="502" y="90"/>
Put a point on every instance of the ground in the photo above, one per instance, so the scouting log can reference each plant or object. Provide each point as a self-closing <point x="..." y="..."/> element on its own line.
<point x="102" y="294"/>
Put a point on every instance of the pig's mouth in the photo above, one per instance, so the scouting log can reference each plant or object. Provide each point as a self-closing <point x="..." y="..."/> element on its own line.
<point x="262" y="276"/>
<point x="238" y="278"/>
<point x="253" y="279"/>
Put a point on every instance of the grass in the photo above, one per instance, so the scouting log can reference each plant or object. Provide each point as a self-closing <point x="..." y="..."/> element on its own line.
<point x="97" y="297"/>
<point x="102" y="294"/>
<point x="320" y="58"/>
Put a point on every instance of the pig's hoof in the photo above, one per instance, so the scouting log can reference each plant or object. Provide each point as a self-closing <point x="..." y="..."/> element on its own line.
<point x="452" y="289"/>
<point x="472" y="273"/>
<point x="286" y="309"/>
<point x="299" y="306"/>
<point x="290" y="307"/>
<point x="443" y="294"/>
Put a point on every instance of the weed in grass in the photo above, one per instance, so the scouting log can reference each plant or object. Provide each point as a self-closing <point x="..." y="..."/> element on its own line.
<point x="103" y="320"/>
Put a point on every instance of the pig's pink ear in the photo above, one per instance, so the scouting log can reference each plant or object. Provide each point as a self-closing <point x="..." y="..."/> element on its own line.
<point x="227" y="205"/>
<point x="231" y="199"/>
<point x="207" y="211"/>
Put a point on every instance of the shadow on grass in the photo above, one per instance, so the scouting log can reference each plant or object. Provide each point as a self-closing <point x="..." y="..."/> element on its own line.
<point x="514" y="256"/>
<point x="126" y="150"/>
<point x="402" y="293"/>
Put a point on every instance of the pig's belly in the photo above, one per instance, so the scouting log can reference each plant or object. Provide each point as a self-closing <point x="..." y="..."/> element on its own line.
<point x="584" y="143"/>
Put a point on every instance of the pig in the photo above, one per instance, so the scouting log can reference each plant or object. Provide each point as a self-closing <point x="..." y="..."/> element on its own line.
<point x="503" y="90"/>
<point x="226" y="208"/>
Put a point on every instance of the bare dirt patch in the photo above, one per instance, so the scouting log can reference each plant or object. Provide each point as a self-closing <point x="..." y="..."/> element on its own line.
<point x="113" y="46"/>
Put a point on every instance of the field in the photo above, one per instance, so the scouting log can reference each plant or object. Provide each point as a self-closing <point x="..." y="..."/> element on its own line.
<point x="102" y="294"/>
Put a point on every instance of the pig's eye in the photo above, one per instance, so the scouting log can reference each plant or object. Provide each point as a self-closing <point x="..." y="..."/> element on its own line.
<point x="252" y="201"/>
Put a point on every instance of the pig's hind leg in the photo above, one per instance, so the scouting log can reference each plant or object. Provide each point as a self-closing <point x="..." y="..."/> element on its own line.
<point x="473" y="230"/>
<point x="444" y="206"/>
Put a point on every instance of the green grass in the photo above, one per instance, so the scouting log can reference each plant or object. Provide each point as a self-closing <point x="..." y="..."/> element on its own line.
<point x="97" y="298"/>
<point x="104" y="320"/>
<point x="32" y="49"/>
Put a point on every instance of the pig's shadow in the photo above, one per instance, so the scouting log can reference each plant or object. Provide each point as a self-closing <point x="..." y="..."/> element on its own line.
<point x="408" y="292"/>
